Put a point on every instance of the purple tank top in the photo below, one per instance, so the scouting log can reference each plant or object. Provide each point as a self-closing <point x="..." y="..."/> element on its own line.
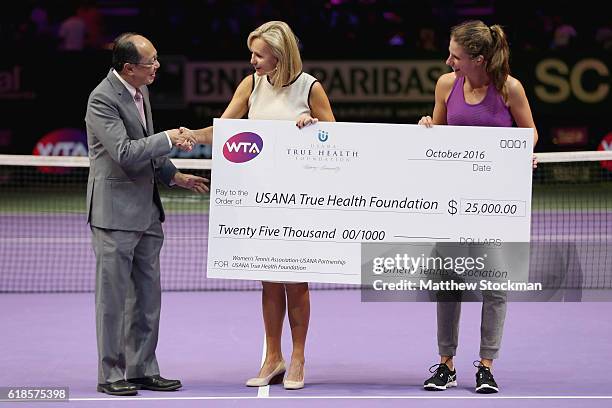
<point x="491" y="111"/>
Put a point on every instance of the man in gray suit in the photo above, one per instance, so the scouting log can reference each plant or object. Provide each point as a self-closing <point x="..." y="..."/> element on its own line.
<point x="125" y="214"/>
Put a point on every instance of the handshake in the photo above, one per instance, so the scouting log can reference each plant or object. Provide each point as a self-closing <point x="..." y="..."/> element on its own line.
<point x="182" y="138"/>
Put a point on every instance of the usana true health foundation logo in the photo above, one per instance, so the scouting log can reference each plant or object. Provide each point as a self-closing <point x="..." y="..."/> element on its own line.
<point x="324" y="150"/>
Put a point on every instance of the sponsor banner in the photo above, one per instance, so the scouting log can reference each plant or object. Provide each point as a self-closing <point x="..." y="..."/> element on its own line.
<point x="62" y="142"/>
<point x="12" y="86"/>
<point x="344" y="81"/>
<point x="555" y="83"/>
<point x="560" y="84"/>
<point x="570" y="136"/>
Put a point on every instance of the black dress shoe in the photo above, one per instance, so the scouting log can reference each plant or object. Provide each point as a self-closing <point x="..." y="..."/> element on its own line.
<point x="120" y="387"/>
<point x="156" y="383"/>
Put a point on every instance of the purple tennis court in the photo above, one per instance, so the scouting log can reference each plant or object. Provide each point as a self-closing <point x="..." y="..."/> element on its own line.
<point x="358" y="354"/>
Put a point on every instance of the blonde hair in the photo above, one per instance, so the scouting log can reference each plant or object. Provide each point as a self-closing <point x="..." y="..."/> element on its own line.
<point x="284" y="45"/>
<point x="490" y="42"/>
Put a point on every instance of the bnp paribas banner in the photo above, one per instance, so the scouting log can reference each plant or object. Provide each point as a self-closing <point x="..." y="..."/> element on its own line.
<point x="556" y="84"/>
<point x="344" y="81"/>
<point x="358" y="90"/>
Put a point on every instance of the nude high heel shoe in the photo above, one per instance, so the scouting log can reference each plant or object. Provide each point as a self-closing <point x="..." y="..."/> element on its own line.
<point x="294" y="385"/>
<point x="275" y="377"/>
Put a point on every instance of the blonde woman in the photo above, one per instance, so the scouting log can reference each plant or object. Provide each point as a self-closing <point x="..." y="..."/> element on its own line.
<point x="279" y="90"/>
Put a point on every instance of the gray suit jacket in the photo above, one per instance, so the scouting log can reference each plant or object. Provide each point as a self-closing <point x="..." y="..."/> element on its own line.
<point x="125" y="159"/>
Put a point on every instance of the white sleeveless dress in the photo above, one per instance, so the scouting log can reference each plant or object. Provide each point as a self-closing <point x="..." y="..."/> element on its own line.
<point x="287" y="103"/>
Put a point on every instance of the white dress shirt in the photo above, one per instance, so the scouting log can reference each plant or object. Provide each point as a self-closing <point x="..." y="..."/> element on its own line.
<point x="132" y="92"/>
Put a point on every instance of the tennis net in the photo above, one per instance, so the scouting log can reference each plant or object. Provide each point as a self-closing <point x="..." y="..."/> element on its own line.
<point x="45" y="242"/>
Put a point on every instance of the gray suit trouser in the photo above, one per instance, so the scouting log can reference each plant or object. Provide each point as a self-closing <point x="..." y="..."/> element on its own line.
<point x="128" y="300"/>
<point x="491" y="324"/>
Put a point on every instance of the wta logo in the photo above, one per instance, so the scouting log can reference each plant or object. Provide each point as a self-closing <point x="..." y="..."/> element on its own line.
<point x="242" y="147"/>
<point x="61" y="142"/>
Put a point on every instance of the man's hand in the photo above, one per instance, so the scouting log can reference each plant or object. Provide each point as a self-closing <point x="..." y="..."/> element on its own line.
<point x="182" y="139"/>
<point x="188" y="133"/>
<point x="191" y="182"/>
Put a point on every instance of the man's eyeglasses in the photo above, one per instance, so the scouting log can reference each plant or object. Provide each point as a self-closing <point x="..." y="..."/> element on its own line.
<point x="146" y="64"/>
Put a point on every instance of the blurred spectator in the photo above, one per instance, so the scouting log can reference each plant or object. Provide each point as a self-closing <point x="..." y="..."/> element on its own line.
<point x="427" y="39"/>
<point x="35" y="32"/>
<point x="563" y="32"/>
<point x="72" y="34"/>
<point x="90" y="14"/>
<point x="40" y="19"/>
<point x="603" y="37"/>
<point x="563" y="37"/>
<point x="329" y="28"/>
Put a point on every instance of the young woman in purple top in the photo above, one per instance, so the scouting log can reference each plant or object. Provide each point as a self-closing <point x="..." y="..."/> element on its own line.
<point x="479" y="92"/>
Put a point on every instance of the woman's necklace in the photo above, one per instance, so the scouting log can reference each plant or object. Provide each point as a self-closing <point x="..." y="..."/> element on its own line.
<point x="477" y="91"/>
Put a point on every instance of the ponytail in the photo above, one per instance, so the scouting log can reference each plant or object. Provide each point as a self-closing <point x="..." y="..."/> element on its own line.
<point x="490" y="42"/>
